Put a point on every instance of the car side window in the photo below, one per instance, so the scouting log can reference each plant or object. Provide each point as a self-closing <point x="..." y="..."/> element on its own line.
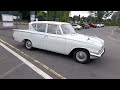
<point x="53" y="29"/>
<point x="34" y="26"/>
<point x="41" y="27"/>
<point x="58" y="31"/>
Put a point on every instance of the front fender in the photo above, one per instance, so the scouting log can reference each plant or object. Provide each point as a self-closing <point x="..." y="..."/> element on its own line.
<point x="71" y="45"/>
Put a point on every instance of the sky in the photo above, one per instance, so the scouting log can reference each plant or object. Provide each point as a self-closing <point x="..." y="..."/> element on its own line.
<point x="81" y="13"/>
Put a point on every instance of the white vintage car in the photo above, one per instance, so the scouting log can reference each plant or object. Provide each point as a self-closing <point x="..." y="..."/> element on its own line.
<point x="60" y="37"/>
<point x="100" y="25"/>
<point x="76" y="26"/>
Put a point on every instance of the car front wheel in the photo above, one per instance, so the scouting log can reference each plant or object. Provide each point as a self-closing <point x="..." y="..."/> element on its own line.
<point x="81" y="56"/>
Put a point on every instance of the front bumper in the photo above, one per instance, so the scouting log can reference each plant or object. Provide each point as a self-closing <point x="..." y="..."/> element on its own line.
<point x="93" y="56"/>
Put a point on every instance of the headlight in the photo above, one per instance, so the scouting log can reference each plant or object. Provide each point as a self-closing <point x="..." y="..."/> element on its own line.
<point x="102" y="48"/>
<point x="99" y="52"/>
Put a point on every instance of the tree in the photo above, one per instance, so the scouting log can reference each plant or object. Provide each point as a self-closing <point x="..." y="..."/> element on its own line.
<point x="25" y="15"/>
<point x="79" y="18"/>
<point x="64" y="16"/>
<point x="83" y="19"/>
<point x="61" y="15"/>
<point x="50" y="14"/>
<point x="41" y="15"/>
<point x="76" y="18"/>
<point x="90" y="18"/>
<point x="100" y="15"/>
<point x="116" y="17"/>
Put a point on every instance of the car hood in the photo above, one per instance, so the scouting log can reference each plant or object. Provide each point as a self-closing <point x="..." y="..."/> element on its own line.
<point x="86" y="38"/>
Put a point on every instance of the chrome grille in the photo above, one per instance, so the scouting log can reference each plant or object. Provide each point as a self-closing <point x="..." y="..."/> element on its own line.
<point x="101" y="50"/>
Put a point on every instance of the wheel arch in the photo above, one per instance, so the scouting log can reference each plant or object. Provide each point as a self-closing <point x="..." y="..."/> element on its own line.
<point x="23" y="41"/>
<point x="79" y="49"/>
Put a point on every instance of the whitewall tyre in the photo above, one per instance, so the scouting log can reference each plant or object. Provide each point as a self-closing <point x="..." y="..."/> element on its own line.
<point x="28" y="44"/>
<point x="81" y="56"/>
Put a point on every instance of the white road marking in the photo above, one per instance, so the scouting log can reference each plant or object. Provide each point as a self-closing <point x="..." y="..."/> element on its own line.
<point x="11" y="70"/>
<point x="36" y="61"/>
<point x="113" y="39"/>
<point x="36" y="69"/>
<point x="112" y="33"/>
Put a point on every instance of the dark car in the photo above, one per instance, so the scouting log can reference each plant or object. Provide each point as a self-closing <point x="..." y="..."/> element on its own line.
<point x="93" y="25"/>
<point x="85" y="25"/>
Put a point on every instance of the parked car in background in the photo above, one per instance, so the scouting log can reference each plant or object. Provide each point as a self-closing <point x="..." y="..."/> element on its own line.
<point x="60" y="37"/>
<point x="85" y="25"/>
<point x="92" y="25"/>
<point x="76" y="26"/>
<point x="100" y="25"/>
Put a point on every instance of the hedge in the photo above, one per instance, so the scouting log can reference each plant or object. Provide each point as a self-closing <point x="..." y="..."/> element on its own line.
<point x="112" y="23"/>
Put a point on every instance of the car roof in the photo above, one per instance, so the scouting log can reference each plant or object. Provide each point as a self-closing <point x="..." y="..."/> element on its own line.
<point x="49" y="22"/>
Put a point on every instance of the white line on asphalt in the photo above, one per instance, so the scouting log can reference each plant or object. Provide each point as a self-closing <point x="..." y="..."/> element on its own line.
<point x="11" y="70"/>
<point x="109" y="36"/>
<point x="36" y="61"/>
<point x="113" y="39"/>
<point x="113" y="31"/>
<point x="36" y="69"/>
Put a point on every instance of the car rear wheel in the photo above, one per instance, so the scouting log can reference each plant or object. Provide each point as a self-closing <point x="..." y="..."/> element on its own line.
<point x="28" y="44"/>
<point x="81" y="56"/>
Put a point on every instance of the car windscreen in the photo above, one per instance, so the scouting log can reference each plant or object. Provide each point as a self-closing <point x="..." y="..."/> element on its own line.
<point x="67" y="29"/>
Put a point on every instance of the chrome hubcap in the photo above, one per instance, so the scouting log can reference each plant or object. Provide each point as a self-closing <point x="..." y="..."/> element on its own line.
<point x="28" y="44"/>
<point x="81" y="56"/>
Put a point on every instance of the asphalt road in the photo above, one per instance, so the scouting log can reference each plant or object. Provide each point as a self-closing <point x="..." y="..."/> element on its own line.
<point x="60" y="66"/>
<point x="12" y="68"/>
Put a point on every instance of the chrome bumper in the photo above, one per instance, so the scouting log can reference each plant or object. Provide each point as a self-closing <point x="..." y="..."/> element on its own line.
<point x="93" y="56"/>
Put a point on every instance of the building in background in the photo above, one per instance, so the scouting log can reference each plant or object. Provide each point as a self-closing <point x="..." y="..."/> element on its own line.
<point x="8" y="19"/>
<point x="32" y="16"/>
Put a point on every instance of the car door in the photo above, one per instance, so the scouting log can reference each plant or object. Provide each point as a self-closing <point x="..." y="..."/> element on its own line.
<point x="38" y="36"/>
<point x="54" y="40"/>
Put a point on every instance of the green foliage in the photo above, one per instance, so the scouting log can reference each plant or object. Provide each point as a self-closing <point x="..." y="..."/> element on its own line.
<point x="91" y="19"/>
<point x="76" y="18"/>
<point x="25" y="15"/>
<point x="84" y="19"/>
<point x="100" y="15"/>
<point x="110" y="22"/>
<point x="95" y="16"/>
<point x="50" y="15"/>
<point x="116" y="17"/>
<point x="41" y="15"/>
<point x="61" y="15"/>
